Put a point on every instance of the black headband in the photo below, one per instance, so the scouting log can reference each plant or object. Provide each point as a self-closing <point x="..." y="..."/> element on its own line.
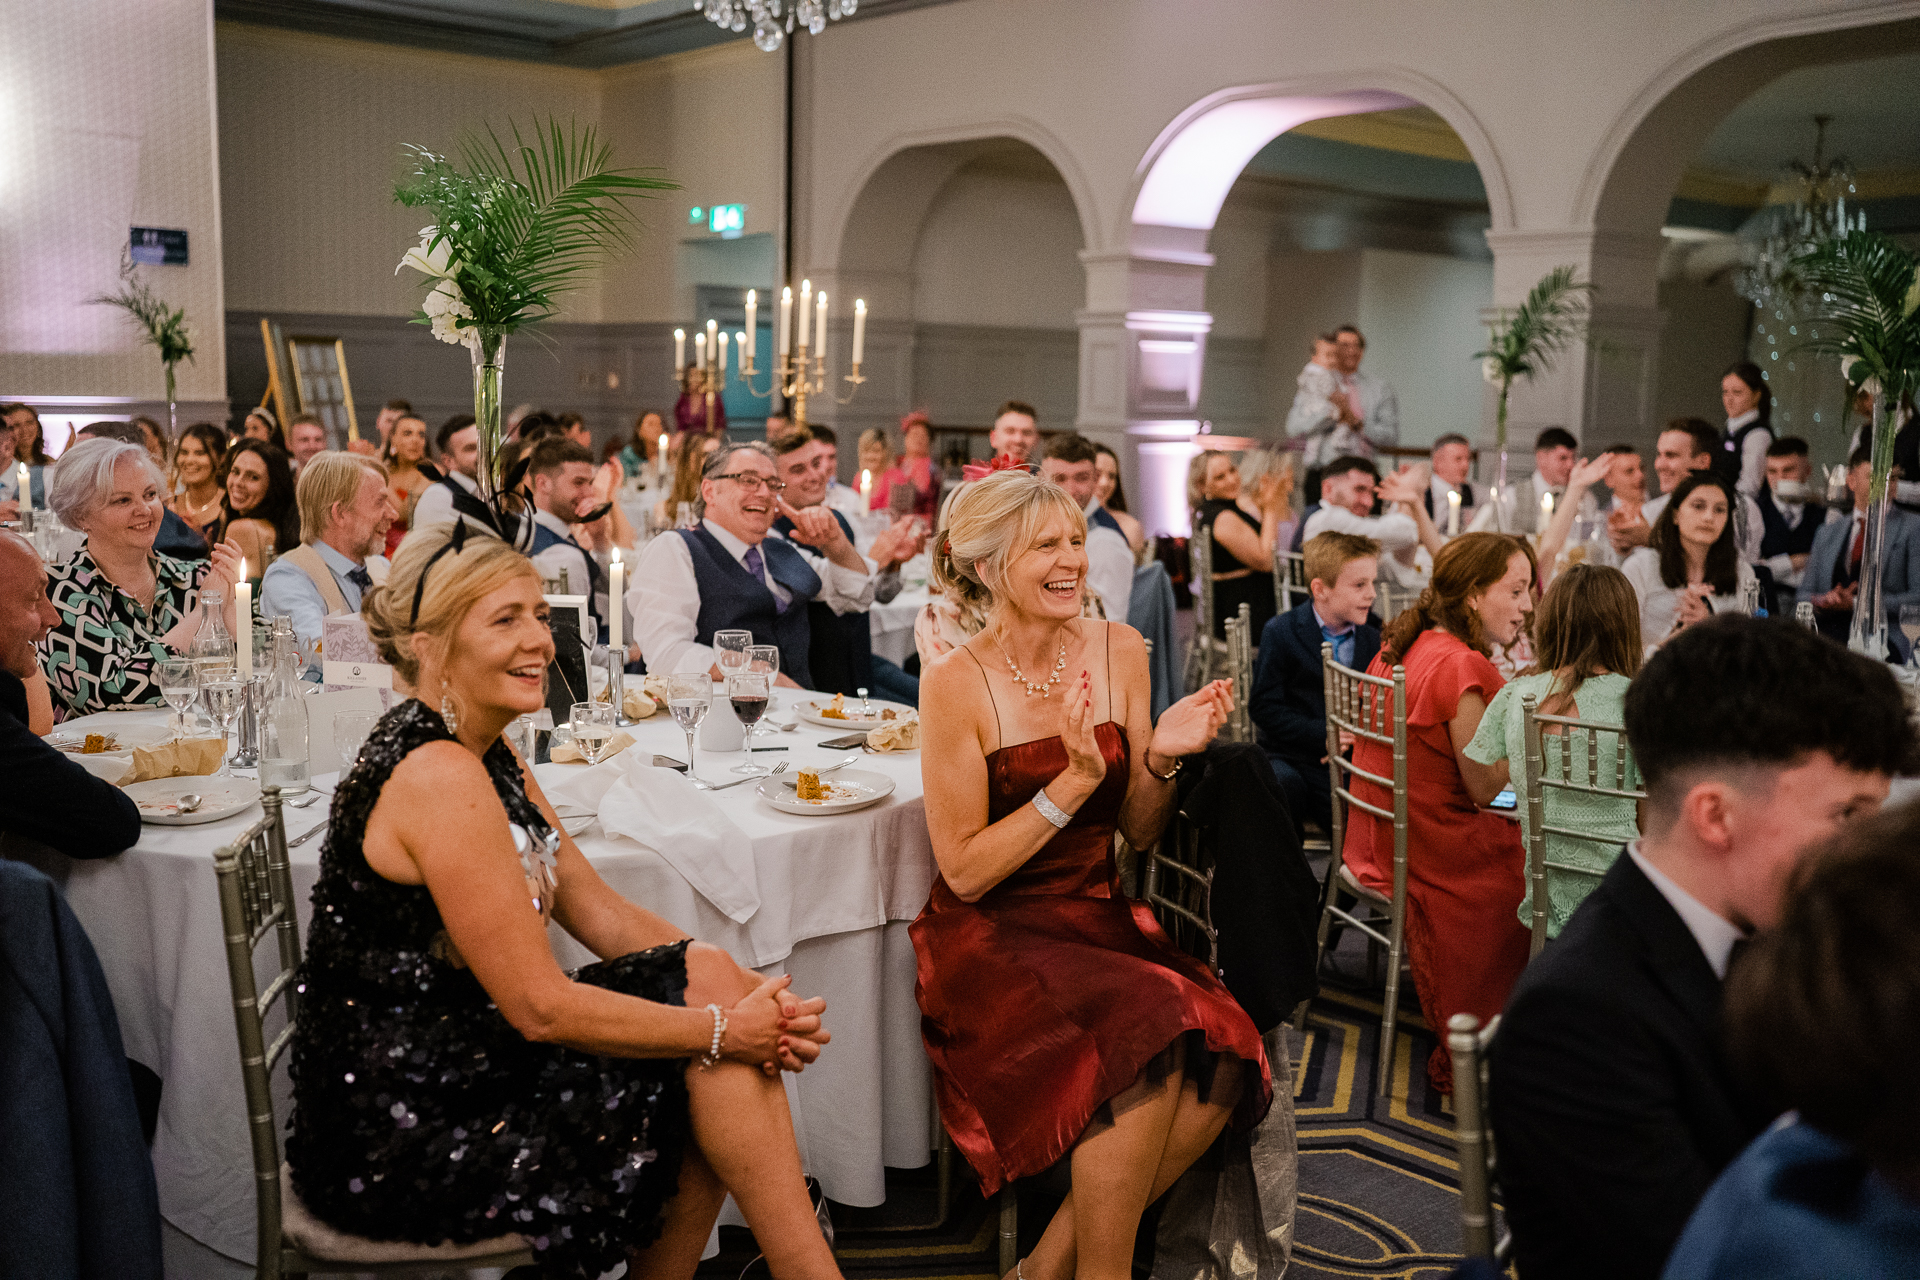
<point x="456" y="540"/>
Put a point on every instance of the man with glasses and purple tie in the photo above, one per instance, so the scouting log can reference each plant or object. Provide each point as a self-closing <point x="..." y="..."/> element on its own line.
<point x="727" y="574"/>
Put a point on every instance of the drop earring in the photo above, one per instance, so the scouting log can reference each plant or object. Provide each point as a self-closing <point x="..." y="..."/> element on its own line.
<point x="447" y="712"/>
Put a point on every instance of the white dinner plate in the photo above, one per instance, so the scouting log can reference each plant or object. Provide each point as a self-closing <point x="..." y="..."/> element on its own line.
<point x="808" y="709"/>
<point x="158" y="799"/>
<point x="124" y="738"/>
<point x="852" y="789"/>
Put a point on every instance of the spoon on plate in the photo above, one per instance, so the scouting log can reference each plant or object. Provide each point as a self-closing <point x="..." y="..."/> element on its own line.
<point x="189" y="802"/>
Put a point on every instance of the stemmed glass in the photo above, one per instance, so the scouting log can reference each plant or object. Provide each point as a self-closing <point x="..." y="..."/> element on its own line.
<point x="1910" y="628"/>
<point x="748" y="690"/>
<point x="761" y="659"/>
<point x="688" y="697"/>
<point x="224" y="693"/>
<point x="350" y="730"/>
<point x="592" y="725"/>
<point x="730" y="651"/>
<point x="179" y="685"/>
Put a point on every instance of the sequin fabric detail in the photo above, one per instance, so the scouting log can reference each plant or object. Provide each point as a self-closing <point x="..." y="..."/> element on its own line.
<point x="419" y="1112"/>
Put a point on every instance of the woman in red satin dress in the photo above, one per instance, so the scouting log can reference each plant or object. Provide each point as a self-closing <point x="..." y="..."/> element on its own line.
<point x="1465" y="865"/>
<point x="1058" y="1016"/>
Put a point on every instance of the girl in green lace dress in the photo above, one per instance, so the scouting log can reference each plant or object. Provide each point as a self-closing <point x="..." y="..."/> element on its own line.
<point x="1586" y="641"/>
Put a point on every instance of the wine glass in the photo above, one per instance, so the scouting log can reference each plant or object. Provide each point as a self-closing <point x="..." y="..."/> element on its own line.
<point x="592" y="725"/>
<point x="1910" y="628"/>
<point x="688" y="697"/>
<point x="747" y="691"/>
<point x="224" y="694"/>
<point x="350" y="730"/>
<point x="179" y="685"/>
<point x="730" y="651"/>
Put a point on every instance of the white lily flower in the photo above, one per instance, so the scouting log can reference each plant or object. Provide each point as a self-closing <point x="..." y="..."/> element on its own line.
<point x="429" y="258"/>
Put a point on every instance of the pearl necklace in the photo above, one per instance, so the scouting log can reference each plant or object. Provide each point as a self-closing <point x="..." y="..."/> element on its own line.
<point x="1042" y="689"/>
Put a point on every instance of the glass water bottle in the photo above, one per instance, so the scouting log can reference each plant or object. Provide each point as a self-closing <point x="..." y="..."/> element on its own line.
<point x="283" y="721"/>
<point x="212" y="649"/>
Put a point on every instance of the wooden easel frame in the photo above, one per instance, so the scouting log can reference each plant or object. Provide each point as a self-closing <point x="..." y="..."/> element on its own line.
<point x="285" y="393"/>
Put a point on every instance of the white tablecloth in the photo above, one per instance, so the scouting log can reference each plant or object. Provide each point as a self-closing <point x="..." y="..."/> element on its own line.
<point x="835" y="895"/>
<point x="892" y="624"/>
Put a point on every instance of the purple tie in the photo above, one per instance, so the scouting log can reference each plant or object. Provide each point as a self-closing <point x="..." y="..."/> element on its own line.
<point x="757" y="566"/>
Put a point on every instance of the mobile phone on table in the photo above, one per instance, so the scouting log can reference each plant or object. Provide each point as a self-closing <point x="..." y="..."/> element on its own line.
<point x="847" y="740"/>
<point x="1505" y="800"/>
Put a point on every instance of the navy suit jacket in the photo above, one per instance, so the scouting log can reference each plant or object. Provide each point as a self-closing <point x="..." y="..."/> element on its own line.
<point x="1289" y="702"/>
<point x="1900" y="561"/>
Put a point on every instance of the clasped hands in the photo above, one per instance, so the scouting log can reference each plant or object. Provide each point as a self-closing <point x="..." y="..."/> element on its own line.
<point x="774" y="1029"/>
<point x="1838" y="600"/>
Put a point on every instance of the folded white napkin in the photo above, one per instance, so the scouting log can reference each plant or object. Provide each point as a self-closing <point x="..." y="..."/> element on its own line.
<point x="660" y="810"/>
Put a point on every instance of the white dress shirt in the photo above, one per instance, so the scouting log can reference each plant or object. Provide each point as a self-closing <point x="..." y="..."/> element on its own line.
<point x="1753" y="454"/>
<point x="1109" y="566"/>
<point x="846" y="500"/>
<point x="1715" y="934"/>
<point x="1782" y="565"/>
<point x="664" y="598"/>
<point x="287" y="591"/>
<point x="435" y="505"/>
<point x="1660" y="603"/>
<point x="1748" y="528"/>
<point x="1394" y="531"/>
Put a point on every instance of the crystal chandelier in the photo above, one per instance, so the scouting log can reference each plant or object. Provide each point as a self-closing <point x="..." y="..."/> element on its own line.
<point x="1789" y="231"/>
<point x="773" y="20"/>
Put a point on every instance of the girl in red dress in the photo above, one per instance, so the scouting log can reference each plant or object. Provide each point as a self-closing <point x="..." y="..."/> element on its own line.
<point x="1465" y="865"/>
<point x="1058" y="1015"/>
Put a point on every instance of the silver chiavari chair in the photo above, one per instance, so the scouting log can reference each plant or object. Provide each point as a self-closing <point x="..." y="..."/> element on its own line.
<point x="1289" y="579"/>
<point x="1371" y="709"/>
<point x="1241" y="646"/>
<point x="1390" y="600"/>
<point x="1467" y="1043"/>
<point x="256" y="899"/>
<point x="1205" y="653"/>
<point x="1617" y="777"/>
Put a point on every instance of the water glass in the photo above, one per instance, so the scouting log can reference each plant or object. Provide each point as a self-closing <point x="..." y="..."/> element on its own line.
<point x="224" y="695"/>
<point x="730" y="651"/>
<point x="350" y="730"/>
<point x="688" y="697"/>
<point x="179" y="685"/>
<point x="592" y="725"/>
<point x="748" y="692"/>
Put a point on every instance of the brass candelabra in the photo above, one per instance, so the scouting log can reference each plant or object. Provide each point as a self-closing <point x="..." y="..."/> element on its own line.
<point x="799" y="367"/>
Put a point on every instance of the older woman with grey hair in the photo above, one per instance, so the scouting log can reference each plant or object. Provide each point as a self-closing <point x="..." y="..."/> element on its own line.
<point x="123" y="606"/>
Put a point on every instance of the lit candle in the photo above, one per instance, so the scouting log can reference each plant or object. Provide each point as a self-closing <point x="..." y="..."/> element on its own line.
<point x="713" y="350"/>
<point x="243" y="623"/>
<point x="866" y="489"/>
<point x="699" y="350"/>
<point x="859" y="330"/>
<point x="679" y="352"/>
<point x="1453" y="513"/>
<point x="786" y="322"/>
<point x="753" y="311"/>
<point x="616" y="613"/>
<point x="1546" y="510"/>
<point x="723" y="354"/>
<point x="806" y="302"/>
<point x="820" y="328"/>
<point x="26" y="488"/>
<point x="660" y="458"/>
<point x="743" y="353"/>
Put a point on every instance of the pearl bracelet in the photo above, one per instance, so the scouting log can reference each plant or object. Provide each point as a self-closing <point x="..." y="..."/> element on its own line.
<point x="1050" y="811"/>
<point x="712" y="1057"/>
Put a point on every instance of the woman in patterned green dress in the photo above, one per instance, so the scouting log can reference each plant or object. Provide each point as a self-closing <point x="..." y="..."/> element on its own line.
<point x="1586" y="640"/>
<point x="123" y="606"/>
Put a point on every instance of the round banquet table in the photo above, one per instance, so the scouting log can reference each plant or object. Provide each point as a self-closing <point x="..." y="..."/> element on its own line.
<point x="835" y="895"/>
<point x="892" y="624"/>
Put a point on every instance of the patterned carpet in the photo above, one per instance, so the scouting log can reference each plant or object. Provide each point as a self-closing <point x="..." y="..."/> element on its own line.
<point x="1378" y="1193"/>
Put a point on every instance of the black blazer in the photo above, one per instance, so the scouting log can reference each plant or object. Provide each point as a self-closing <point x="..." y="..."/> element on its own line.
<point x="70" y="810"/>
<point x="1613" y="1103"/>
<point x="1289" y="702"/>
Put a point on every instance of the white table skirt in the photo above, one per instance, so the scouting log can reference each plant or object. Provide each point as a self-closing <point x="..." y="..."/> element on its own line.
<point x="892" y="624"/>
<point x="836" y="894"/>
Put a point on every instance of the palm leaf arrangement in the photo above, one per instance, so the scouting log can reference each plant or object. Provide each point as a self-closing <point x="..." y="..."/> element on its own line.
<point x="517" y="223"/>
<point x="163" y="326"/>
<point x="1862" y="290"/>
<point x="1525" y="343"/>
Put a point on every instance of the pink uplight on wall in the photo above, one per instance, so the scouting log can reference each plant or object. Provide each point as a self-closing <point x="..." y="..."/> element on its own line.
<point x="1190" y="177"/>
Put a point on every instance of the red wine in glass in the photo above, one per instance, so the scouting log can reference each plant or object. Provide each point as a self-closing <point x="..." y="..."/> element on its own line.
<point x="749" y="707"/>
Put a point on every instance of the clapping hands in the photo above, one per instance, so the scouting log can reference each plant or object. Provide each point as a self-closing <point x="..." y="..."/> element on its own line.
<point x="1084" y="759"/>
<point x="1189" y="725"/>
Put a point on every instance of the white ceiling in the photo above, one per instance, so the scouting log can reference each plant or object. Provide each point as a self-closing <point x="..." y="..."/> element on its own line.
<point x="1875" y="107"/>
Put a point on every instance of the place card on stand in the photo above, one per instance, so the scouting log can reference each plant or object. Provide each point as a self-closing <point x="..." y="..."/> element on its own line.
<point x="349" y="660"/>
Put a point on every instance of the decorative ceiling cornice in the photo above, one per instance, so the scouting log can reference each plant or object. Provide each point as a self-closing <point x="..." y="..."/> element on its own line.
<point x="546" y="31"/>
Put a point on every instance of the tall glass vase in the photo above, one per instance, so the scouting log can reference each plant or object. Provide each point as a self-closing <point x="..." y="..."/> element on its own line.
<point x="489" y="363"/>
<point x="173" y="409"/>
<point x="1868" y="634"/>
<point x="1498" y="493"/>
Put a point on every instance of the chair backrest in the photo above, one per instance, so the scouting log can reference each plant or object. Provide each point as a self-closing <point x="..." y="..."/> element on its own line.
<point x="1179" y="889"/>
<point x="1290" y="586"/>
<point x="1371" y="709"/>
<point x="256" y="899"/>
<point x="1391" y="600"/>
<point x="1473" y="1134"/>
<point x="1573" y="770"/>
<point x="1241" y="646"/>
<point x="1200" y="559"/>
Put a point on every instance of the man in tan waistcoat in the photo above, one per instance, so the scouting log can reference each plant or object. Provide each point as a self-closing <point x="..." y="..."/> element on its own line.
<point x="344" y="514"/>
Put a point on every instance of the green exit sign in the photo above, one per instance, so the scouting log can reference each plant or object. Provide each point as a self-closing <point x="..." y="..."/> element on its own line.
<point x="727" y="220"/>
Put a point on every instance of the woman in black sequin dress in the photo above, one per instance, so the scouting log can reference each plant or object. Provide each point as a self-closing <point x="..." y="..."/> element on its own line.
<point x="451" y="1083"/>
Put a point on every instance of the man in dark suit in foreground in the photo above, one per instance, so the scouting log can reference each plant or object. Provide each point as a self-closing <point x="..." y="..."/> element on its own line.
<point x="1289" y="701"/>
<point x="1614" y="1105"/>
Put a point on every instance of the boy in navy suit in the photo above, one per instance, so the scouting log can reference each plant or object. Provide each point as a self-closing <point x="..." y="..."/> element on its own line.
<point x="1289" y="704"/>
